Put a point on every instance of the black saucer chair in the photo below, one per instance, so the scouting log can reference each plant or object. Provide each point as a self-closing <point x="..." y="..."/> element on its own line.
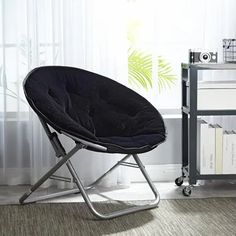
<point x="100" y="115"/>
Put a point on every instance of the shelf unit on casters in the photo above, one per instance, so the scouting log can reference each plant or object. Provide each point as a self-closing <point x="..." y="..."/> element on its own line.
<point x="189" y="77"/>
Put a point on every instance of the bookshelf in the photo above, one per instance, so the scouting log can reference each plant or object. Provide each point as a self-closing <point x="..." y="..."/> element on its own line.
<point x="190" y="113"/>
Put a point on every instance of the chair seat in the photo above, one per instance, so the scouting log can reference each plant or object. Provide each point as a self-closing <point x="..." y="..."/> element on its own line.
<point x="94" y="108"/>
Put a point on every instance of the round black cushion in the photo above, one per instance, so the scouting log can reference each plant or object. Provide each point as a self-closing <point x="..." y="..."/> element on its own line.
<point x="94" y="108"/>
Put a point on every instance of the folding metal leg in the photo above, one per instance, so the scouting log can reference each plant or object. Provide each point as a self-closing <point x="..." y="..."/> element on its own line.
<point x="82" y="190"/>
<point x="60" y="152"/>
<point x="121" y="212"/>
<point x="47" y="176"/>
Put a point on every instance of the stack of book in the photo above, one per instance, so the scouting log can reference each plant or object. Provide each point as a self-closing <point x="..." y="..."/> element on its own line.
<point x="216" y="149"/>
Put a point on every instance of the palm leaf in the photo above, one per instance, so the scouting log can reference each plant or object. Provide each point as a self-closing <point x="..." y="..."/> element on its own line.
<point x="140" y="68"/>
<point x="140" y="71"/>
<point x="166" y="77"/>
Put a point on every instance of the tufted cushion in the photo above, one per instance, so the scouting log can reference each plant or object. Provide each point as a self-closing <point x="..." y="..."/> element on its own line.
<point x="94" y="108"/>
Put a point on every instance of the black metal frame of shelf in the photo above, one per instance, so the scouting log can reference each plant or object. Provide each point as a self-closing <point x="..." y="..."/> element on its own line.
<point x="189" y="75"/>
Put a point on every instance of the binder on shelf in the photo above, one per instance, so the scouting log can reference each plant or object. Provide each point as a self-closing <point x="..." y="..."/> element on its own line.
<point x="219" y="149"/>
<point x="199" y="122"/>
<point x="207" y="149"/>
<point x="233" y="160"/>
<point x="226" y="152"/>
<point x="229" y="152"/>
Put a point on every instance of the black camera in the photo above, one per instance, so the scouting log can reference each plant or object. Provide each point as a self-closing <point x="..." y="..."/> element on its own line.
<point x="198" y="56"/>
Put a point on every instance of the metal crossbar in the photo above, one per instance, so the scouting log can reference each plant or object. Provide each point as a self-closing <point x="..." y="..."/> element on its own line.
<point x="129" y="164"/>
<point x="65" y="159"/>
<point x="61" y="178"/>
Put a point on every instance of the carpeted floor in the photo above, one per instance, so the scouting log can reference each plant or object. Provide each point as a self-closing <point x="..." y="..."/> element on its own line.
<point x="213" y="216"/>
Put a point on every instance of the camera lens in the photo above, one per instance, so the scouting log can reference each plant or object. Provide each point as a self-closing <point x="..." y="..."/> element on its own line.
<point x="205" y="57"/>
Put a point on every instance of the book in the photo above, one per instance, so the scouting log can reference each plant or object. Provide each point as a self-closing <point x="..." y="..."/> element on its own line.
<point x="199" y="122"/>
<point x="229" y="152"/>
<point x="207" y="149"/>
<point x="219" y="149"/>
<point x="233" y="157"/>
<point x="226" y="152"/>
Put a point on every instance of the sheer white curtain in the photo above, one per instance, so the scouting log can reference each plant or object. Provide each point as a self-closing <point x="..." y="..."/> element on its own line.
<point x="87" y="34"/>
<point x="90" y="34"/>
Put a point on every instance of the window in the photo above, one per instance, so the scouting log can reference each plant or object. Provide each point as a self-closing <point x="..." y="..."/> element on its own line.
<point x="168" y="29"/>
<point x="153" y="70"/>
<point x="159" y="33"/>
<point x="27" y="40"/>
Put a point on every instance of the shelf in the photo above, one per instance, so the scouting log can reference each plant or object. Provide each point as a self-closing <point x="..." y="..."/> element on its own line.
<point x="186" y="110"/>
<point x="216" y="112"/>
<point x="218" y="176"/>
<point x="189" y="126"/>
<point x="209" y="66"/>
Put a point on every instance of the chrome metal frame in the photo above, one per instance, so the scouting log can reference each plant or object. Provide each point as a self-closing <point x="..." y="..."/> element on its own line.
<point x="65" y="159"/>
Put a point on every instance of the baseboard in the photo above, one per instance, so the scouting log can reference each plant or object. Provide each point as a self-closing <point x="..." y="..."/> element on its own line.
<point x="168" y="172"/>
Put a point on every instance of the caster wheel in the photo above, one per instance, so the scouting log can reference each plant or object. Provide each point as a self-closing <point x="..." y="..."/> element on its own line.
<point x="179" y="181"/>
<point x="187" y="191"/>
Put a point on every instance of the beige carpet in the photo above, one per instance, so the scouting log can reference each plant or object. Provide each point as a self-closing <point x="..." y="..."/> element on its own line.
<point x="213" y="216"/>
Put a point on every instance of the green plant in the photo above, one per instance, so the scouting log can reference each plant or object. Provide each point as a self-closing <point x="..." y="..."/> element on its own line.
<point x="140" y="66"/>
<point x="166" y="76"/>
